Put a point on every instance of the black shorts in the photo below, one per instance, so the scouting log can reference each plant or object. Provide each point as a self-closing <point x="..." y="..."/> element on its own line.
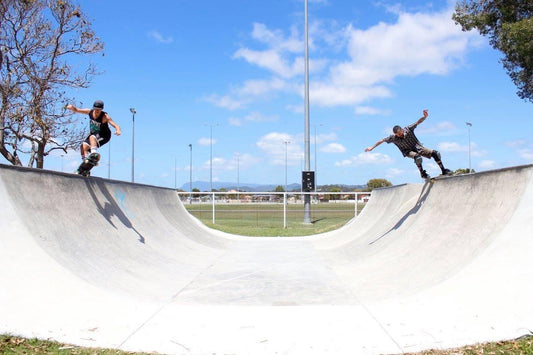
<point x="100" y="139"/>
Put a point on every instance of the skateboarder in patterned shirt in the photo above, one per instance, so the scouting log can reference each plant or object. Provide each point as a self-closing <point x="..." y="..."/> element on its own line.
<point x="406" y="140"/>
<point x="100" y="133"/>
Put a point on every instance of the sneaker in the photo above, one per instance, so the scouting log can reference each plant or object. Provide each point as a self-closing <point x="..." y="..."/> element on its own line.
<point x="424" y="174"/>
<point x="447" y="172"/>
<point x="94" y="158"/>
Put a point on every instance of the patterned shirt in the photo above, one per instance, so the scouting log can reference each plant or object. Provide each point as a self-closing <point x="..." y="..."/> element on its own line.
<point x="408" y="143"/>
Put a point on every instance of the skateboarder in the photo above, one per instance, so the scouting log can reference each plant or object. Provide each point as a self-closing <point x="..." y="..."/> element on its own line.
<point x="405" y="139"/>
<point x="100" y="133"/>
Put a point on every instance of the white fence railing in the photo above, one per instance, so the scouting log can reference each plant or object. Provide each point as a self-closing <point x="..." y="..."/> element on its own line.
<point x="285" y="198"/>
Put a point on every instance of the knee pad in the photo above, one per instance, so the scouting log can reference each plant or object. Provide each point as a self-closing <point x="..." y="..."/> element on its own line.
<point x="436" y="155"/>
<point x="418" y="160"/>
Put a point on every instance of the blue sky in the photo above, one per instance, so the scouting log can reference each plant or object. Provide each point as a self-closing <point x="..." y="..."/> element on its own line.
<point x="236" y="67"/>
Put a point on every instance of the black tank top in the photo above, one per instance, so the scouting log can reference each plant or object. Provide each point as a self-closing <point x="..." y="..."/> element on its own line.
<point x="97" y="127"/>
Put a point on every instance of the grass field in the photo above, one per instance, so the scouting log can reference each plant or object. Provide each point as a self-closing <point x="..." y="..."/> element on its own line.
<point x="267" y="219"/>
<point x="17" y="345"/>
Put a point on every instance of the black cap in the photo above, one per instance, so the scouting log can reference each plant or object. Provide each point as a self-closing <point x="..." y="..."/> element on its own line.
<point x="98" y="104"/>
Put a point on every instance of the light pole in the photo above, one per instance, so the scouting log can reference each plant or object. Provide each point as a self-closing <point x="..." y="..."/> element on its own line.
<point x="109" y="161"/>
<point x="211" y="154"/>
<point x="286" y="143"/>
<point x="238" y="177"/>
<point x="190" y="174"/>
<point x="307" y="197"/>
<point x="315" y="160"/>
<point x="133" y="112"/>
<point x="468" y="124"/>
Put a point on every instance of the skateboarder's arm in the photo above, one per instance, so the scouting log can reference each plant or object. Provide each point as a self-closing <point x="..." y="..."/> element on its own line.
<point x="78" y="110"/>
<point x="375" y="145"/>
<point x="422" y="119"/>
<point x="112" y="123"/>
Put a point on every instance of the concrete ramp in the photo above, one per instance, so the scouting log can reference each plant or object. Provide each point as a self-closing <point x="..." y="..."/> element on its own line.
<point x="103" y="263"/>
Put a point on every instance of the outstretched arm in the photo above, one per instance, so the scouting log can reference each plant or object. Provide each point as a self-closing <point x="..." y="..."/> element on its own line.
<point x="78" y="110"/>
<point x="375" y="145"/>
<point x="422" y="119"/>
<point x="112" y="123"/>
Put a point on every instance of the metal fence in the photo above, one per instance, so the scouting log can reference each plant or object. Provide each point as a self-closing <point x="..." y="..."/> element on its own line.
<point x="269" y="204"/>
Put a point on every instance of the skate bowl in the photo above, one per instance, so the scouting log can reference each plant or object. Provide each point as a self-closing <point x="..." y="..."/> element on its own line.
<point x="103" y="263"/>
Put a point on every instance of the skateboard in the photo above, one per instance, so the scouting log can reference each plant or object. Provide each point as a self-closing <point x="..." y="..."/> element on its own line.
<point x="88" y="163"/>
<point x="433" y="178"/>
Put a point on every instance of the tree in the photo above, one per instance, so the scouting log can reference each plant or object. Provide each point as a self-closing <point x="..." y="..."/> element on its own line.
<point x="195" y="190"/>
<point x="377" y="183"/>
<point x="509" y="26"/>
<point x="279" y="188"/>
<point x="37" y="39"/>
<point x="463" y="171"/>
<point x="335" y="196"/>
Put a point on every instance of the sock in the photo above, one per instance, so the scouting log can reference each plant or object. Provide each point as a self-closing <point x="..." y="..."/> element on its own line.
<point x="94" y="150"/>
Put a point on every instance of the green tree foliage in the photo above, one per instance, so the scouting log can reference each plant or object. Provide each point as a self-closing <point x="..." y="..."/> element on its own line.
<point x="509" y="26"/>
<point x="195" y="190"/>
<point x="38" y="38"/>
<point x="464" y="171"/>
<point x="377" y="183"/>
<point x="279" y="188"/>
<point x="335" y="196"/>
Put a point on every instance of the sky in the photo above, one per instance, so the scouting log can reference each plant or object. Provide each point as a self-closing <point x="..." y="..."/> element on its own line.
<point x="227" y="78"/>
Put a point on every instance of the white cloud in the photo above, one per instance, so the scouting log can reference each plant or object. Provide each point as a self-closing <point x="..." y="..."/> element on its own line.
<point x="333" y="148"/>
<point x="325" y="137"/>
<point x="454" y="147"/>
<point x="522" y="148"/>
<point x="487" y="164"/>
<point x="274" y="147"/>
<point x="416" y="43"/>
<point x="235" y="121"/>
<point x="441" y="128"/>
<point x="254" y="116"/>
<point x="366" y="159"/>
<point x="392" y="172"/>
<point x="206" y="141"/>
<point x="525" y="153"/>
<point x="225" y="101"/>
<point x="367" y="110"/>
<point x="517" y="143"/>
<point x="159" y="37"/>
<point x="328" y="94"/>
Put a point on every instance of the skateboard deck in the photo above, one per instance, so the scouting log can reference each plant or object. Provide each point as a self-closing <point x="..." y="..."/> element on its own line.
<point x="433" y="178"/>
<point x="87" y="164"/>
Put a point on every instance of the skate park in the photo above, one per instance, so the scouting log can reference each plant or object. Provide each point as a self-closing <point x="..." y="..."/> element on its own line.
<point x="103" y="263"/>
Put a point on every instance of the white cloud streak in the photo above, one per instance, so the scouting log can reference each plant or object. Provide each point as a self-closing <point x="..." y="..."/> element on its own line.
<point x="158" y="37"/>
<point x="416" y="43"/>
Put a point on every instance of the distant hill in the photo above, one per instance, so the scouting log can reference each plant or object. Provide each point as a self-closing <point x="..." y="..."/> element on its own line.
<point x="217" y="185"/>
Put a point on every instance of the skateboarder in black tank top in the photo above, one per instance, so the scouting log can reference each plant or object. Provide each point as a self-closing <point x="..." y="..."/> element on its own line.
<point x="100" y="133"/>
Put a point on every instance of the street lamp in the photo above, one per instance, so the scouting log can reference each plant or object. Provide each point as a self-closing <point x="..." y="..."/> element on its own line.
<point x="468" y="124"/>
<point x="133" y="112"/>
<point x="211" y="154"/>
<point x="307" y="197"/>
<point x="109" y="161"/>
<point x="190" y="175"/>
<point x="315" y="159"/>
<point x="286" y="142"/>
<point x="238" y="177"/>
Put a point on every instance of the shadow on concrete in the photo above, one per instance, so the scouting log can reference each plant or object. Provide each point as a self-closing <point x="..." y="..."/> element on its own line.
<point x="110" y="207"/>
<point x="419" y="202"/>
